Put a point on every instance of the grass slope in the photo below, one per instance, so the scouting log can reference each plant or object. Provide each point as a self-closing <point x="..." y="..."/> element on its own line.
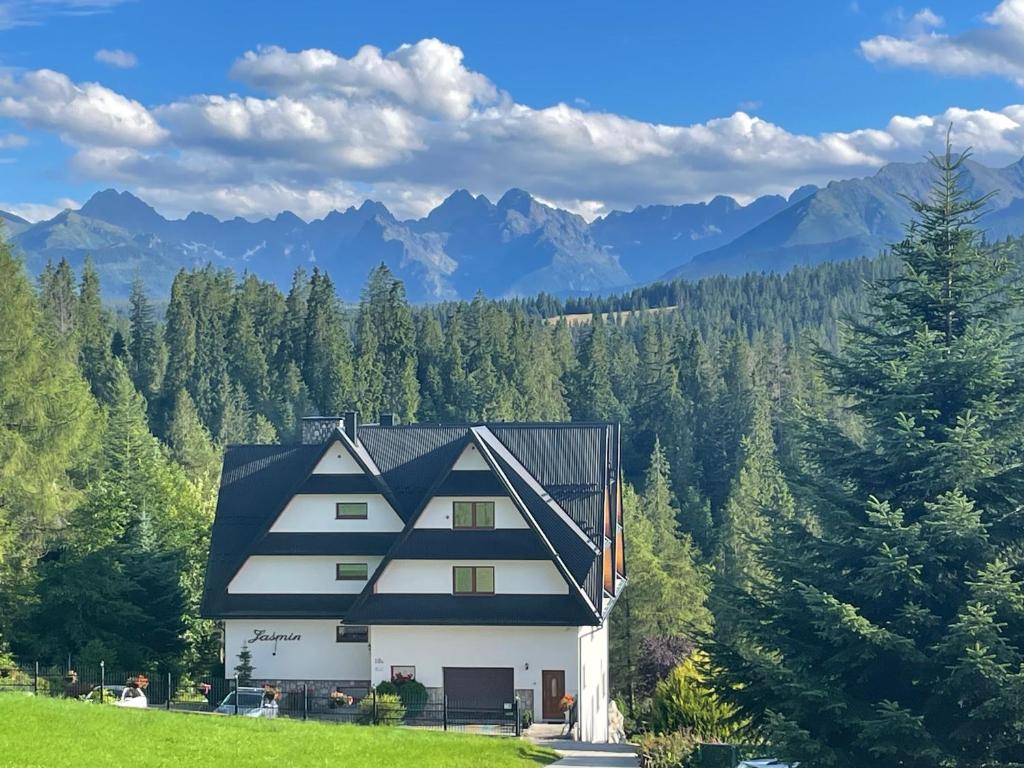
<point x="50" y="733"/>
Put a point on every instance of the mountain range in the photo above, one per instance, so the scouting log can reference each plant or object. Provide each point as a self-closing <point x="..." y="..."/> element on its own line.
<point x="517" y="245"/>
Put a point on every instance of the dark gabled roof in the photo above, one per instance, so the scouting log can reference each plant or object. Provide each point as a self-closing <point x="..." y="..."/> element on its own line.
<point x="285" y="606"/>
<point x="559" y="610"/>
<point x="496" y="544"/>
<point x="256" y="482"/>
<point x="555" y="473"/>
<point x="324" y="544"/>
<point x="410" y="458"/>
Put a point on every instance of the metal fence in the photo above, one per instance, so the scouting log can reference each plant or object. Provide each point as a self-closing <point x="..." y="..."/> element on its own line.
<point x="300" y="701"/>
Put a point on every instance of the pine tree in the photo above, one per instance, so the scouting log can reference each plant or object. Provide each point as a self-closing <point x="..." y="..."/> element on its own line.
<point x="327" y="359"/>
<point x="244" y="669"/>
<point x="668" y="588"/>
<point x="190" y="443"/>
<point x="592" y="395"/>
<point x="48" y="425"/>
<point x="59" y="299"/>
<point x="180" y="339"/>
<point x="143" y="343"/>
<point x="890" y="630"/>
<point x="94" y="333"/>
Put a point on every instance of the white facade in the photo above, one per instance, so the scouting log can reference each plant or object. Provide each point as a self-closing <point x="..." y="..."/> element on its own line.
<point x="299" y="574"/>
<point x="471" y="459"/>
<point x="337" y="461"/>
<point x="287" y="649"/>
<point x="511" y="577"/>
<point x="438" y="512"/>
<point x="316" y="513"/>
<point x="527" y="650"/>
<point x="592" y="703"/>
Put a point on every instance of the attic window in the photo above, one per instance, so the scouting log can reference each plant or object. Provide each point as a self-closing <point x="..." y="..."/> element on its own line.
<point x="473" y="580"/>
<point x="473" y="514"/>
<point x="352" y="572"/>
<point x="350" y="510"/>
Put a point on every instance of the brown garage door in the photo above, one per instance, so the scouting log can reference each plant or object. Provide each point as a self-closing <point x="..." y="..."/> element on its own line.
<point x="485" y="686"/>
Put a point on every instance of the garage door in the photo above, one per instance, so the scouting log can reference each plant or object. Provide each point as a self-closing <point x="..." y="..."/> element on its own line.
<point x="486" y="686"/>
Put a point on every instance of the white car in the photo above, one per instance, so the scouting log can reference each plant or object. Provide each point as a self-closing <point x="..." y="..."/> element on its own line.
<point x="129" y="701"/>
<point x="251" y="703"/>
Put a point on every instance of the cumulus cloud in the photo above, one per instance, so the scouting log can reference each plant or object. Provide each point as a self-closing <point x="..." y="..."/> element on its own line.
<point x="317" y="131"/>
<point x="994" y="49"/>
<point x="80" y="113"/>
<point x="116" y="58"/>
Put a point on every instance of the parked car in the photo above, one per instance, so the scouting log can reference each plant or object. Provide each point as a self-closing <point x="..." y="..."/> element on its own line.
<point x="110" y="693"/>
<point x="251" y="703"/>
<point x="132" y="697"/>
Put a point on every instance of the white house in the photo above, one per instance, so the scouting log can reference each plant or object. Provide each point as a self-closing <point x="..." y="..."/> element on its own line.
<point x="481" y="559"/>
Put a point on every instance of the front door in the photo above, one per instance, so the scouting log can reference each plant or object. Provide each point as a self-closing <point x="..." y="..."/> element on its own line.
<point x="553" y="683"/>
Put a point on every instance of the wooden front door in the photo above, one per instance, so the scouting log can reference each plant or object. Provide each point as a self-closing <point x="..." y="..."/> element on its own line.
<point x="553" y="683"/>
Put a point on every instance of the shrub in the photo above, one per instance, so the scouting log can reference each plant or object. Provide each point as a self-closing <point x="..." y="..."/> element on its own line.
<point x="390" y="710"/>
<point x="526" y="718"/>
<point x="387" y="687"/>
<point x="17" y="680"/>
<point x="684" y="701"/>
<point x="413" y="695"/>
<point x="665" y="750"/>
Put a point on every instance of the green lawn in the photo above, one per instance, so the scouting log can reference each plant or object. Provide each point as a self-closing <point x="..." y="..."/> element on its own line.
<point x="50" y="733"/>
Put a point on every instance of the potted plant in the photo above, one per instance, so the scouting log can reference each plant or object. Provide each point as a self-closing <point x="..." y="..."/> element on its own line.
<point x="566" y="704"/>
<point x="340" y="699"/>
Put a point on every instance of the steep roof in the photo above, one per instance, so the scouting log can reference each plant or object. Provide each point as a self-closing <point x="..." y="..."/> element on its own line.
<point x="557" y="472"/>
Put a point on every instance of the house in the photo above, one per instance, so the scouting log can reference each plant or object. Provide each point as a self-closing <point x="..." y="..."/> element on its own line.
<point x="482" y="559"/>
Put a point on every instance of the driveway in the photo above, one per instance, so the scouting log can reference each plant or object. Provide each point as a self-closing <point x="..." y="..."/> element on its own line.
<point x="578" y="755"/>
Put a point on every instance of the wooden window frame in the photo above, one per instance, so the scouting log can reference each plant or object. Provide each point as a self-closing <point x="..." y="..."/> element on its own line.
<point x="473" y="570"/>
<point x="342" y="630"/>
<point x="339" y="577"/>
<point x="474" y="525"/>
<point x="340" y="504"/>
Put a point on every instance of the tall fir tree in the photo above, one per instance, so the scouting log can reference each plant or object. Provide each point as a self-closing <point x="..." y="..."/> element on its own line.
<point x="143" y="342"/>
<point x="890" y="632"/>
<point x="327" y="359"/>
<point x="95" y="358"/>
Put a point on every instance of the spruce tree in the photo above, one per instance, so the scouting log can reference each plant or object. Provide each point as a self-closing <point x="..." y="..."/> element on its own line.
<point x="95" y="358"/>
<point x="327" y="359"/>
<point x="143" y="343"/>
<point x="889" y="630"/>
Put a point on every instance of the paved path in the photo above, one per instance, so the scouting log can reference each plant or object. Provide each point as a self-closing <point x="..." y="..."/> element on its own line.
<point x="579" y="755"/>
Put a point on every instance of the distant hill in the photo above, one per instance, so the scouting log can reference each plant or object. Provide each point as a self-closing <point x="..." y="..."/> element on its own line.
<point x="515" y="246"/>
<point x="857" y="217"/>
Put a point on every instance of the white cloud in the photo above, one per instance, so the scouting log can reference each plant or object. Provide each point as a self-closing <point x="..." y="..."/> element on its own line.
<point x="23" y="13"/>
<point x="12" y="141"/>
<point x="994" y="49"/>
<point x="116" y="58"/>
<point x="79" y="112"/>
<point x="40" y="211"/>
<point x="409" y="126"/>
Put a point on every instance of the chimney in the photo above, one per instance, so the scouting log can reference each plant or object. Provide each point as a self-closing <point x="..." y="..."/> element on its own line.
<point x="317" y="429"/>
<point x="388" y="419"/>
<point x="350" y="422"/>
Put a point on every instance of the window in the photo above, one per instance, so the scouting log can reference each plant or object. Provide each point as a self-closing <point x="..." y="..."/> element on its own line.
<point x="350" y="510"/>
<point x="473" y="580"/>
<point x="352" y="572"/>
<point x="402" y="673"/>
<point x="355" y="633"/>
<point x="473" y="514"/>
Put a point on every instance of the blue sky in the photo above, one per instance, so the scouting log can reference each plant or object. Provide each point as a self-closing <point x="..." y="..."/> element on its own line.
<point x="591" y="106"/>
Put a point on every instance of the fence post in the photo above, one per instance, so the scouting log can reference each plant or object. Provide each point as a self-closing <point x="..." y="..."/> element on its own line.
<point x="35" y="681"/>
<point x="236" y="694"/>
<point x="305" y="701"/>
<point x="103" y="680"/>
<point x="519" y="722"/>
<point x="444" y="713"/>
<point x="168" y="690"/>
<point x="373" y="692"/>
